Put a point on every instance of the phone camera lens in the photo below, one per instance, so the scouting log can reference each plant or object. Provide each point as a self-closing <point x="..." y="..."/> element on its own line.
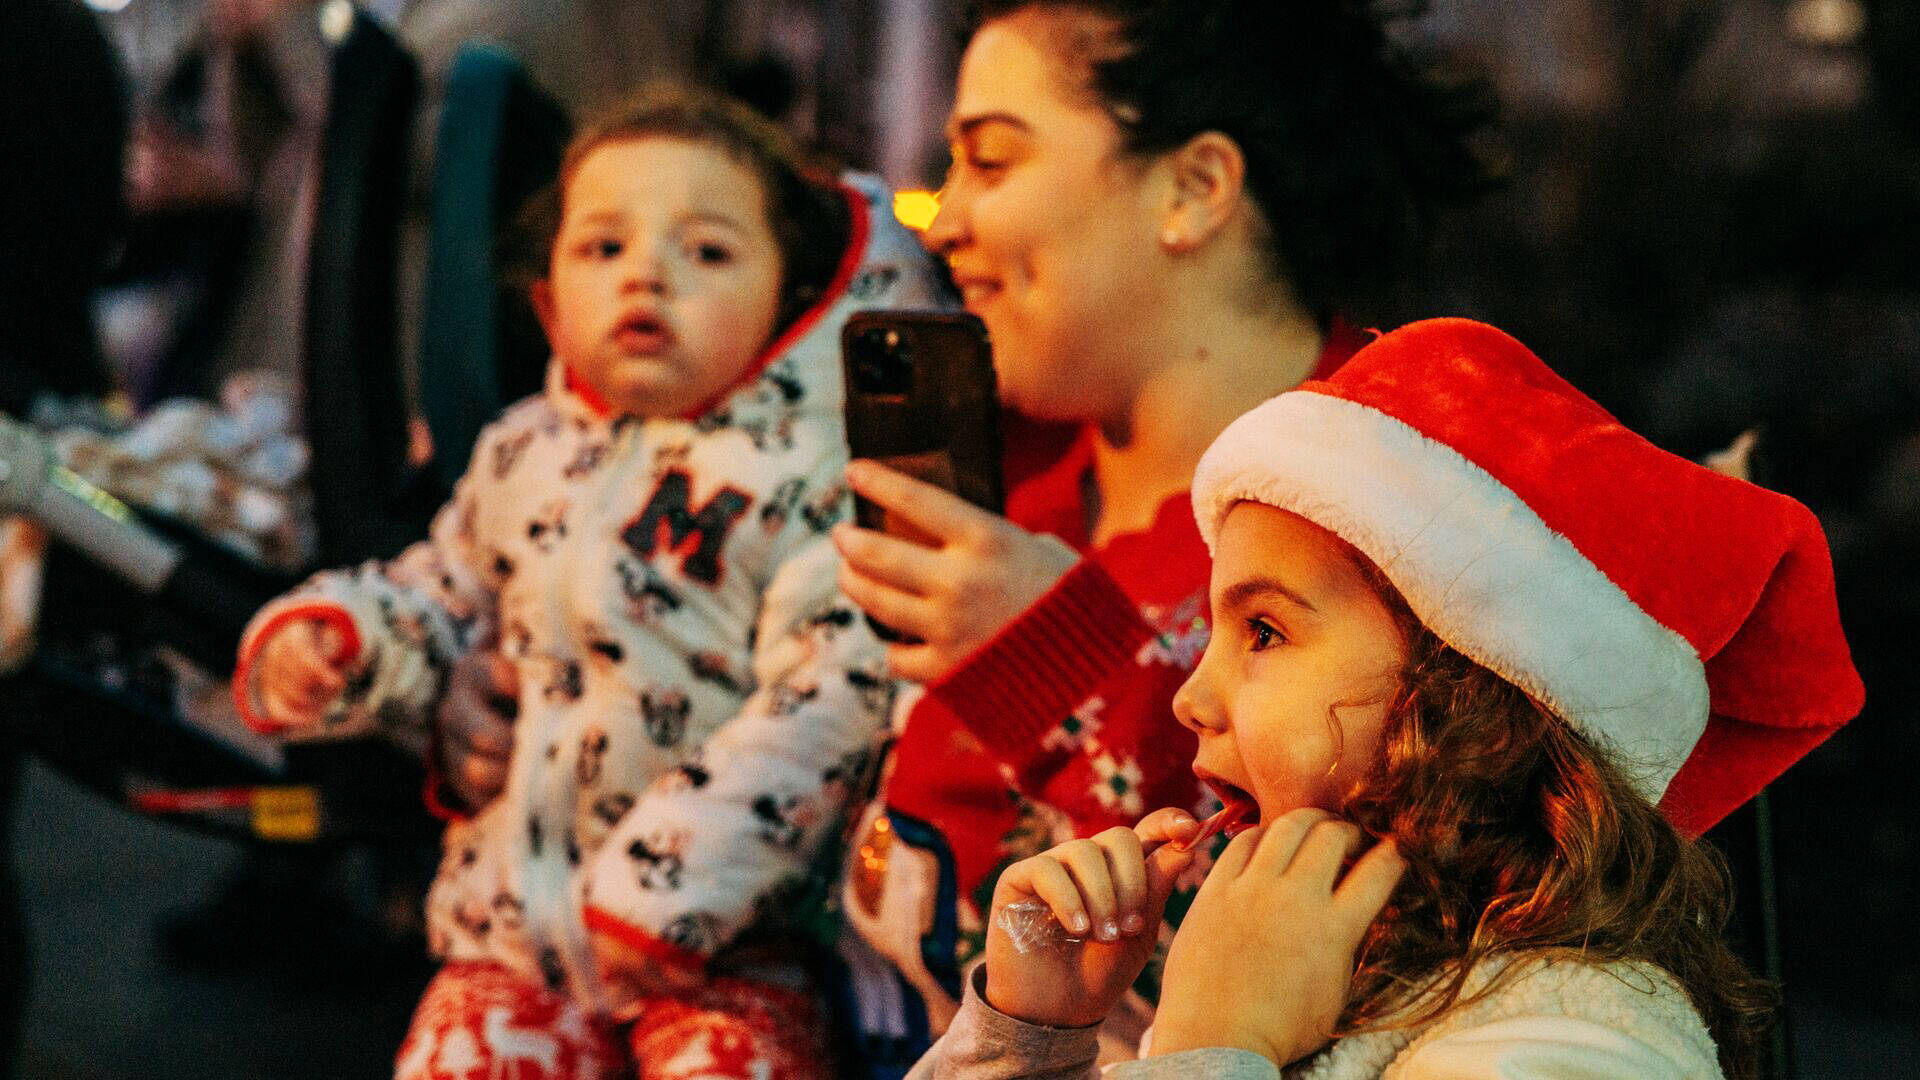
<point x="882" y="362"/>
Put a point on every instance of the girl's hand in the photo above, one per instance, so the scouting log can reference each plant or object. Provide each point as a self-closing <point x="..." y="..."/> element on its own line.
<point x="1264" y="957"/>
<point x="953" y="597"/>
<point x="302" y="671"/>
<point x="1110" y="891"/>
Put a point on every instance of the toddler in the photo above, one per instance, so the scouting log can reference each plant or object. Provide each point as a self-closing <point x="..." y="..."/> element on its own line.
<point x="645" y="541"/>
<point x="1484" y="663"/>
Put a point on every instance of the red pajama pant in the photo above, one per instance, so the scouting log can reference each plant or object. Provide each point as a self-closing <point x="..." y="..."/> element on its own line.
<point x="481" y="1022"/>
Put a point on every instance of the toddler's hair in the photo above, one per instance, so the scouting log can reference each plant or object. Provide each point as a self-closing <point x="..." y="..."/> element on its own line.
<point x="1524" y="839"/>
<point x="806" y="209"/>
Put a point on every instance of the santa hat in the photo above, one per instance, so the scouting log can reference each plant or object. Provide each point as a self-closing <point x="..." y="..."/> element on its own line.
<point x="1682" y="619"/>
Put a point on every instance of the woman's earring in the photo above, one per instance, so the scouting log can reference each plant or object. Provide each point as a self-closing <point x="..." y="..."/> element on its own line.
<point x="1173" y="240"/>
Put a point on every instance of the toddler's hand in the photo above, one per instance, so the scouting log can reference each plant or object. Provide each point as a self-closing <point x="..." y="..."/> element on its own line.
<point x="476" y="717"/>
<point x="1109" y="891"/>
<point x="631" y="977"/>
<point x="1264" y="957"/>
<point x="302" y="670"/>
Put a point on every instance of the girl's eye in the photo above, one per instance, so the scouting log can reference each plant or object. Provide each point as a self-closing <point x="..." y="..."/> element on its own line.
<point x="712" y="254"/>
<point x="1263" y="635"/>
<point x="603" y="249"/>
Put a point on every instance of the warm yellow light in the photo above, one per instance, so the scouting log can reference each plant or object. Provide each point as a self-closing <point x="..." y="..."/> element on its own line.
<point x="915" y="209"/>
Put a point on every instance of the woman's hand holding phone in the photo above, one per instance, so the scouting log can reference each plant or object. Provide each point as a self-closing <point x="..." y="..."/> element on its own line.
<point x="953" y="598"/>
<point x="1107" y="891"/>
<point x="1264" y="957"/>
<point x="957" y="596"/>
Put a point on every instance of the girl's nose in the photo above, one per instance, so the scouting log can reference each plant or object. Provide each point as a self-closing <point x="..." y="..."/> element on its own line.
<point x="1196" y="706"/>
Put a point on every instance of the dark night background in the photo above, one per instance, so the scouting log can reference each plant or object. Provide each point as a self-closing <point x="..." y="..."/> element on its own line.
<point x="1711" y="223"/>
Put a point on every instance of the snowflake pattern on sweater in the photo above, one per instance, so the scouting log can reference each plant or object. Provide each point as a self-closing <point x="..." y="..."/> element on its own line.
<point x="698" y="701"/>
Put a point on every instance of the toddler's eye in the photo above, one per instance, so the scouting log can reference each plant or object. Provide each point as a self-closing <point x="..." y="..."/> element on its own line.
<point x="1263" y="634"/>
<point x="712" y="254"/>
<point x="603" y="249"/>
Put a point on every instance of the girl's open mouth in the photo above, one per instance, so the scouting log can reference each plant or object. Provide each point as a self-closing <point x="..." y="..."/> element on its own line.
<point x="1238" y="813"/>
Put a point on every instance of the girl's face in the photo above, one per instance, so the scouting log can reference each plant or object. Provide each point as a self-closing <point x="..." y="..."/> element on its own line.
<point x="1292" y="694"/>
<point x="1051" y="233"/>
<point x="665" y="276"/>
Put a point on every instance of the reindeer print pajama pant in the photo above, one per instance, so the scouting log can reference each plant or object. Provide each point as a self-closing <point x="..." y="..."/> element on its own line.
<point x="479" y="1021"/>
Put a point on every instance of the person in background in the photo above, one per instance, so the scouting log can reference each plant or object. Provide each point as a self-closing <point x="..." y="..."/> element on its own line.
<point x="67" y="114"/>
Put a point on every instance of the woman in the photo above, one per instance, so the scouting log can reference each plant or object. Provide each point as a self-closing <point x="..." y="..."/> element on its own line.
<point x="1156" y="207"/>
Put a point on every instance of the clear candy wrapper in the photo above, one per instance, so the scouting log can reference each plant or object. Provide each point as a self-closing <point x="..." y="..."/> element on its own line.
<point x="1030" y="926"/>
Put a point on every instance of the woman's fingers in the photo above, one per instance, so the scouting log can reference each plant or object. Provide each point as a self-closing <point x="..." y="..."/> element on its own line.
<point x="905" y="565"/>
<point x="933" y="509"/>
<point x="904" y="612"/>
<point x="917" y="663"/>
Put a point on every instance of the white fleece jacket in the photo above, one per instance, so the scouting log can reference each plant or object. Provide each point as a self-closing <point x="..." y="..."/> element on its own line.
<point x="698" y="701"/>
<point x="1551" y="1021"/>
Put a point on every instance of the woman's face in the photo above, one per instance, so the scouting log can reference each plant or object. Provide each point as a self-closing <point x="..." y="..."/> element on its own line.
<point x="1292" y="694"/>
<point x="1050" y="231"/>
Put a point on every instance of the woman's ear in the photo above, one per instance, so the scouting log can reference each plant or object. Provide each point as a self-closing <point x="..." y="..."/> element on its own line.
<point x="1209" y="173"/>
<point x="541" y="293"/>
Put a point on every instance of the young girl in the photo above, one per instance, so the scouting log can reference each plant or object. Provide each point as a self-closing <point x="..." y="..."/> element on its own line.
<point x="645" y="541"/>
<point x="1483" y="665"/>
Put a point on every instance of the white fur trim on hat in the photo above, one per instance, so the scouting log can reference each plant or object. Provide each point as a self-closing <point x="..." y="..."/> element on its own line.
<point x="1475" y="564"/>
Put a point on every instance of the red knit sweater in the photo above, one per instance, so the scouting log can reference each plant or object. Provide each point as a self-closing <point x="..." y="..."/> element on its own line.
<point x="1071" y="705"/>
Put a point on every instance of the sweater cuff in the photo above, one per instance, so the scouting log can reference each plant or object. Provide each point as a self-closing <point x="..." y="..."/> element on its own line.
<point x="980" y="1031"/>
<point x="1043" y="664"/>
<point x="1218" y="1063"/>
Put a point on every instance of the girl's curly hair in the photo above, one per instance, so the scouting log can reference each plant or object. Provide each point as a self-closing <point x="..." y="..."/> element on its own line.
<point x="1520" y="836"/>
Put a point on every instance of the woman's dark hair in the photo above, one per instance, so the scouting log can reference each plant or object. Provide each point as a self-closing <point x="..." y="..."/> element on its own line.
<point x="1351" y="144"/>
<point x="806" y="209"/>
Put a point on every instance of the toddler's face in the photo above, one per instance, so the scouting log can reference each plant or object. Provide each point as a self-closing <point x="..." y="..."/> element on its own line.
<point x="665" y="276"/>
<point x="1292" y="694"/>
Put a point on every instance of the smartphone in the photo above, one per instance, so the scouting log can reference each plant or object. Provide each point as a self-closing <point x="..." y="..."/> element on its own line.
<point x="921" y="399"/>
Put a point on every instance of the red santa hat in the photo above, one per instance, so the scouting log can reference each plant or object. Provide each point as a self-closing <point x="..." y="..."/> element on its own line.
<point x="1682" y="619"/>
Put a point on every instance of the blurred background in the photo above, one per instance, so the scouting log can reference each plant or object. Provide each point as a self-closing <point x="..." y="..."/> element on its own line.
<point x="1710" y="221"/>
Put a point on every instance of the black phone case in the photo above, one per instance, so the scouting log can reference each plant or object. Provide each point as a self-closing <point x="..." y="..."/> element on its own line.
<point x="921" y="399"/>
<point x="941" y="424"/>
